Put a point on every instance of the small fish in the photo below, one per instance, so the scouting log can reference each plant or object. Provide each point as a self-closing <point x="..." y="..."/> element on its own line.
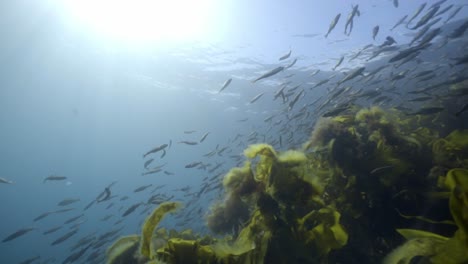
<point x="401" y="21"/>
<point x="64" y="237"/>
<point x="105" y="195"/>
<point x="142" y="188"/>
<point x="55" y="178"/>
<point x="374" y="171"/>
<point x="147" y="163"/>
<point x="395" y="3"/>
<point x="156" y="149"/>
<point x="463" y="109"/>
<point x="430" y="14"/>
<point x="131" y="209"/>
<point x="189" y="131"/>
<point x="52" y="230"/>
<point x="270" y="73"/>
<point x="188" y="142"/>
<point x="375" y="31"/>
<point x="339" y="63"/>
<point x="258" y="96"/>
<point x="352" y="75"/>
<point x="418" y="11"/>
<point x="30" y="260"/>
<point x="291" y="64"/>
<point x="73" y="219"/>
<point x="420" y="99"/>
<point x="438" y="3"/>
<point x="388" y="41"/>
<point x="3" y="180"/>
<point x="285" y="56"/>
<point x="333" y="24"/>
<point x="349" y="21"/>
<point x="43" y="215"/>
<point x="296" y="98"/>
<point x="151" y="172"/>
<point x="444" y="10"/>
<point x="168" y="173"/>
<point x="225" y="85"/>
<point x="459" y="31"/>
<point x="428" y="110"/>
<point x="17" y="234"/>
<point x="454" y="13"/>
<point x="68" y="201"/>
<point x="193" y="164"/>
<point x="204" y="137"/>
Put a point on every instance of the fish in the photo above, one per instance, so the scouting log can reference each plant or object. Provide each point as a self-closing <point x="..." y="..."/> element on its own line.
<point x="454" y="13"/>
<point x="55" y="178"/>
<point x="463" y="109"/>
<point x="52" y="230"/>
<point x="73" y="219"/>
<point x="352" y="75"/>
<point x="225" y="85"/>
<point x="3" y="180"/>
<point x="443" y="10"/>
<point x="17" y="234"/>
<point x="270" y="73"/>
<point x="30" y="260"/>
<point x="349" y="21"/>
<point x="375" y="31"/>
<point x="460" y="60"/>
<point x="75" y="256"/>
<point x="388" y="42"/>
<point x="168" y="173"/>
<point x="333" y="24"/>
<point x="151" y="172"/>
<point x="430" y="14"/>
<point x="418" y="11"/>
<point x="395" y="3"/>
<point x="285" y="56"/>
<point x="147" y="163"/>
<point x="163" y="154"/>
<point x="429" y="36"/>
<point x="291" y="64"/>
<point x="142" y="188"/>
<point x="459" y="31"/>
<point x="339" y="63"/>
<point x="64" y="237"/>
<point x="438" y="3"/>
<point x="374" y="171"/>
<point x="89" y="205"/>
<point x="189" y="131"/>
<point x="320" y="83"/>
<point x="258" y="96"/>
<point x="405" y="53"/>
<point x="419" y="34"/>
<point x="156" y="149"/>
<point x="193" y="164"/>
<point x="296" y="98"/>
<point x="204" y="137"/>
<point x="68" y="201"/>
<point x="421" y="99"/>
<point x="428" y="110"/>
<point x="41" y="216"/>
<point x="131" y="209"/>
<point x="401" y="21"/>
<point x="103" y="196"/>
<point x="188" y="142"/>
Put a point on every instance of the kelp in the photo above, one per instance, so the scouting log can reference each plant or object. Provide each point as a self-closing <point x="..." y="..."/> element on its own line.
<point x="337" y="199"/>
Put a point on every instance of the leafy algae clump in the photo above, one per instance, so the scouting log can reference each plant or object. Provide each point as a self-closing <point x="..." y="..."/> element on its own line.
<point x="351" y="193"/>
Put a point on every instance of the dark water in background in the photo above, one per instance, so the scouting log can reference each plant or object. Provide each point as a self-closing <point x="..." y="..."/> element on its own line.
<point x="89" y="112"/>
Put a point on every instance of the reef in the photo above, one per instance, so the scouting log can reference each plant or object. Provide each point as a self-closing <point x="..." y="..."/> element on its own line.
<point x="354" y="193"/>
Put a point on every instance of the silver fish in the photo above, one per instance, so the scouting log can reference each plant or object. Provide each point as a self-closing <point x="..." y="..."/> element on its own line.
<point x="55" y="178"/>
<point x="333" y="24"/>
<point x="285" y="56"/>
<point x="418" y="11"/>
<point x="3" y="180"/>
<point x="270" y="73"/>
<point x="156" y="149"/>
<point x="226" y="84"/>
<point x="375" y="31"/>
<point x="258" y="96"/>
<point x="401" y="21"/>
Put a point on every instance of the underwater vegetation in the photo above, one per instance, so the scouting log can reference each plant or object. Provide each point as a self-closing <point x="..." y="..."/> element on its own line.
<point x="352" y="194"/>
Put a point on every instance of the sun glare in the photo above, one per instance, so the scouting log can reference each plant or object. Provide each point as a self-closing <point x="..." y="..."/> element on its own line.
<point x="141" y="20"/>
